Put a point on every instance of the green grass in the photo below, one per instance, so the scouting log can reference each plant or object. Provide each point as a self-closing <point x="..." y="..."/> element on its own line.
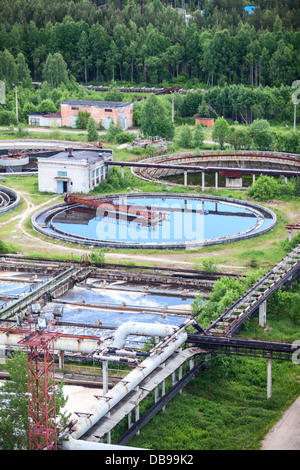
<point x="224" y="408"/>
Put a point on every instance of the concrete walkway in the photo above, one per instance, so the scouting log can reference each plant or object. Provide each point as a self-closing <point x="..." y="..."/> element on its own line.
<point x="285" y="435"/>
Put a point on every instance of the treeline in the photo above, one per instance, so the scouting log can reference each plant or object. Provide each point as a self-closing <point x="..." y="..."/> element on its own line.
<point x="223" y="46"/>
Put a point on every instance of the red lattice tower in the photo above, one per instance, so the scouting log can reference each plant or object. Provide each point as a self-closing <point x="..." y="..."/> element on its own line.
<point x="41" y="389"/>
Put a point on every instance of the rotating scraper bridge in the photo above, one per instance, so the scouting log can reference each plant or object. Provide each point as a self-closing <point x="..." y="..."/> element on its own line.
<point x="21" y="160"/>
<point x="232" y="165"/>
<point x="151" y="367"/>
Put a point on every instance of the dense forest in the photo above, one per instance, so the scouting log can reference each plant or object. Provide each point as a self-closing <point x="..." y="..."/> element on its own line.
<point x="242" y="65"/>
<point x="151" y="42"/>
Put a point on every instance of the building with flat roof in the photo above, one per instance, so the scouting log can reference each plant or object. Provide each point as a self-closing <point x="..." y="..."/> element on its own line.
<point x="44" y="119"/>
<point x="103" y="112"/>
<point x="73" y="170"/>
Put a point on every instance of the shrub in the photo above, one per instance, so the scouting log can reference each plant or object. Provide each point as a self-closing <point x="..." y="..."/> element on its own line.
<point x="83" y="119"/>
<point x="7" y="118"/>
<point x="186" y="138"/>
<point x="123" y="137"/>
<point x="113" y="131"/>
<point x="264" y="188"/>
<point x="262" y="134"/>
<point x="3" y="248"/>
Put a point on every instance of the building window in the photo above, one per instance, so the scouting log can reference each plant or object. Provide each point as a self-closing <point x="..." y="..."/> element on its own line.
<point x="74" y="108"/>
<point x="34" y="122"/>
<point x="62" y="173"/>
<point x="108" y="110"/>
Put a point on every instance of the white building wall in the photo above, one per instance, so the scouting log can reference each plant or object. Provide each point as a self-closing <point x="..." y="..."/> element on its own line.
<point x="45" y="121"/>
<point x="77" y="173"/>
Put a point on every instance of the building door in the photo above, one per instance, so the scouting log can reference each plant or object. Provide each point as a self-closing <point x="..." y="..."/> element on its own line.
<point x="107" y="123"/>
<point x="73" y="121"/>
<point x="62" y="187"/>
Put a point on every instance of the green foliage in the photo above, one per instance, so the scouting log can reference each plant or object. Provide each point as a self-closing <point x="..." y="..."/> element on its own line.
<point x="186" y="138"/>
<point x="240" y="139"/>
<point x="47" y="106"/>
<point x="220" y="131"/>
<point x="267" y="187"/>
<point x="14" y="426"/>
<point x="113" y="131"/>
<point x="113" y="93"/>
<point x="285" y="304"/>
<point x="98" y="257"/>
<point x="7" y="118"/>
<point x="199" y="136"/>
<point x="223" y="47"/>
<point x="155" y="118"/>
<point x="224" y="408"/>
<point x="225" y="292"/>
<point x="287" y="141"/>
<point x="123" y="137"/>
<point x="262" y="134"/>
<point x="3" y="248"/>
<point x="83" y="119"/>
<point x="92" y="130"/>
<point x="264" y="188"/>
<point x="209" y="265"/>
<point x="55" y="70"/>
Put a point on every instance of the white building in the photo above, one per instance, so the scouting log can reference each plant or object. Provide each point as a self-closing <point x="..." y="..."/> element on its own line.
<point x="73" y="171"/>
<point x="44" y="120"/>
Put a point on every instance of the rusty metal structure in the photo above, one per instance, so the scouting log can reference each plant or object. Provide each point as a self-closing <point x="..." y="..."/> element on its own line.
<point x="107" y="206"/>
<point x="41" y="388"/>
<point x="163" y="361"/>
<point x="232" y="164"/>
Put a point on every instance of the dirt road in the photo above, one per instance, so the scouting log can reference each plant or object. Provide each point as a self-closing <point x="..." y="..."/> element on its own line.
<point x="285" y="435"/>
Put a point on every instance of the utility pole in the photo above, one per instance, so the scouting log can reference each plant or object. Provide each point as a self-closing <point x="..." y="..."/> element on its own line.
<point x="173" y="106"/>
<point x="16" y="94"/>
<point x="295" y="99"/>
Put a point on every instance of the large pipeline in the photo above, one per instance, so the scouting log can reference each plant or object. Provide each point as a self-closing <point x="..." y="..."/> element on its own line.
<point x="132" y="380"/>
<point x="116" y="394"/>
<point x="143" y="329"/>
<point x="60" y="344"/>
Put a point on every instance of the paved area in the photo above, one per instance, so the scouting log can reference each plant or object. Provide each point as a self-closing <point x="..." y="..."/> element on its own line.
<point x="285" y="435"/>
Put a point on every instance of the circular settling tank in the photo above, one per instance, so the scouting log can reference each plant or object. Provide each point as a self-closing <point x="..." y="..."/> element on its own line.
<point x="154" y="220"/>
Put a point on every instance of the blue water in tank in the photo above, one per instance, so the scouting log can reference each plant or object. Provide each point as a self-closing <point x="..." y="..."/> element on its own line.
<point x="174" y="220"/>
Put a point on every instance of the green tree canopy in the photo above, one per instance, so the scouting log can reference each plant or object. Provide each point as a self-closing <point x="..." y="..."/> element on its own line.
<point x="220" y="131"/>
<point x="155" y="120"/>
<point x="92" y="130"/>
<point x="262" y="134"/>
<point x="199" y="136"/>
<point x="55" y="70"/>
<point x="186" y="138"/>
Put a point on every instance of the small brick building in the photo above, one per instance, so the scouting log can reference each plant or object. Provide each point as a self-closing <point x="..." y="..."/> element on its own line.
<point x="207" y="122"/>
<point x="103" y="112"/>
